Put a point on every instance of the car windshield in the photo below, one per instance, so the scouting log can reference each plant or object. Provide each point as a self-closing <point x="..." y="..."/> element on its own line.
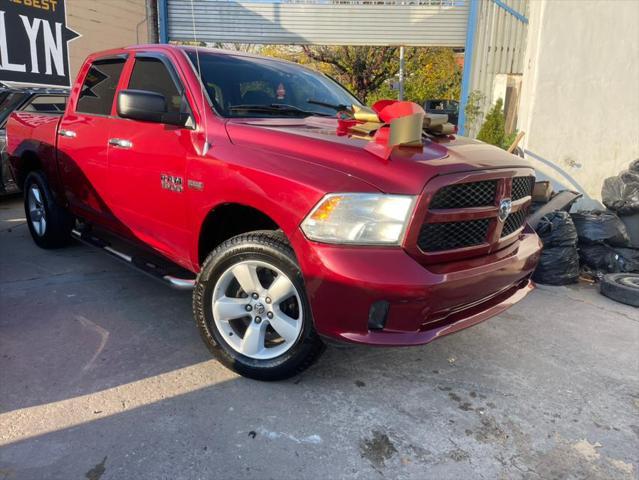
<point x="242" y="86"/>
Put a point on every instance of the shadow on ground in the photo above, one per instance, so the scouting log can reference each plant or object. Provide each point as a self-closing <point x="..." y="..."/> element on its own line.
<point x="103" y="376"/>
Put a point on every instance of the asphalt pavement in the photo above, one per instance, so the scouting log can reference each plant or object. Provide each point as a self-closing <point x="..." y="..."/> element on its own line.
<point x="103" y="376"/>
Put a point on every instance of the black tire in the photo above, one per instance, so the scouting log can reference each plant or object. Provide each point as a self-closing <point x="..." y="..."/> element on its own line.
<point x="265" y="246"/>
<point x="59" y="222"/>
<point x="622" y="287"/>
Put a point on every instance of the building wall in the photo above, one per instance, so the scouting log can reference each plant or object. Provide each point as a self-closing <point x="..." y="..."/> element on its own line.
<point x="498" y="54"/>
<point x="104" y="24"/>
<point x="580" y="95"/>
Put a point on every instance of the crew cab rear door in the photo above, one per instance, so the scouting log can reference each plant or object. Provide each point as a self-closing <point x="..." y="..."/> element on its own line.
<point x="147" y="163"/>
<point x="82" y="141"/>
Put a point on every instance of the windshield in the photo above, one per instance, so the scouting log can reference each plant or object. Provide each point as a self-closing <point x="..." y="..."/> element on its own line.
<point x="258" y="87"/>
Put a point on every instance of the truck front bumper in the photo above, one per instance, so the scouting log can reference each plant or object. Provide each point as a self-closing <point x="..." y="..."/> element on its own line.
<point x="348" y="286"/>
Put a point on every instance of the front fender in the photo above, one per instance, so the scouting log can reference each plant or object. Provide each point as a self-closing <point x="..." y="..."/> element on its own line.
<point x="283" y="188"/>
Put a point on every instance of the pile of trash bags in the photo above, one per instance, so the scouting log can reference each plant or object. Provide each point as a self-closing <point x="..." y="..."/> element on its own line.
<point x="591" y="242"/>
<point x="599" y="227"/>
<point x="604" y="243"/>
<point x="559" y="262"/>
<point x="621" y="193"/>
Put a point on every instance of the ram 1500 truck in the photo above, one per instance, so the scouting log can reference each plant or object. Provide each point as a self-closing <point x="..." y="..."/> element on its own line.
<point x="254" y="182"/>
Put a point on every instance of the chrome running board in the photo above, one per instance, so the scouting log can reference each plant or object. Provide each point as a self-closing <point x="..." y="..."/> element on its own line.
<point x="139" y="264"/>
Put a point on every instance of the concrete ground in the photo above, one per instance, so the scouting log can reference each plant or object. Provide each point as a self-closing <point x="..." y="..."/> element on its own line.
<point x="103" y="376"/>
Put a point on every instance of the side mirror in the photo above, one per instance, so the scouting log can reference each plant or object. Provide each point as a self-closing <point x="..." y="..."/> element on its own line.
<point x="148" y="106"/>
<point x="141" y="105"/>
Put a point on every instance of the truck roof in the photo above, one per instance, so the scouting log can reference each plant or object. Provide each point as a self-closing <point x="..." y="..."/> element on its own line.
<point x="188" y="49"/>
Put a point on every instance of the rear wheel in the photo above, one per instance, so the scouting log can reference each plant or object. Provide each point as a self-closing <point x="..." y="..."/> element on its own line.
<point x="49" y="224"/>
<point x="251" y="308"/>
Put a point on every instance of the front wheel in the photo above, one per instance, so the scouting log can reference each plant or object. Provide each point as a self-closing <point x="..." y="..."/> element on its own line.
<point x="251" y="308"/>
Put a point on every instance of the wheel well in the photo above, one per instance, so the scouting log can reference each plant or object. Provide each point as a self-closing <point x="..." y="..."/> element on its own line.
<point x="29" y="162"/>
<point x="227" y="221"/>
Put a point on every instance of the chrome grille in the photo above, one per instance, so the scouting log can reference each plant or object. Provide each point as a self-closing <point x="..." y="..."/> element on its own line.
<point x="465" y="195"/>
<point x="513" y="222"/>
<point x="435" y="237"/>
<point x="522" y="187"/>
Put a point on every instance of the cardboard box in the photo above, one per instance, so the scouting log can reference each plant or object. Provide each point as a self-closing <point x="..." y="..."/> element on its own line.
<point x="542" y="192"/>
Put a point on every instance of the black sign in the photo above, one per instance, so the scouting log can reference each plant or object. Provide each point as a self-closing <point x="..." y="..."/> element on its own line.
<point x="33" y="42"/>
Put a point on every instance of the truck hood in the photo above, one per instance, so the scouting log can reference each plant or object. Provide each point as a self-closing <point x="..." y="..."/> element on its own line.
<point x="315" y="139"/>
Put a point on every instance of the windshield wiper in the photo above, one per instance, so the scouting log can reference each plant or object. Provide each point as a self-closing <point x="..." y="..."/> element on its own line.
<point x="276" y="108"/>
<point x="339" y="107"/>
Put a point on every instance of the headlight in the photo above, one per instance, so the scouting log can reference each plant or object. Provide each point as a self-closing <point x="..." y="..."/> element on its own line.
<point x="359" y="218"/>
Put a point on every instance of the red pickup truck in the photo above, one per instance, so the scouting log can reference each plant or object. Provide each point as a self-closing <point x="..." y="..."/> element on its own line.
<point x="237" y="176"/>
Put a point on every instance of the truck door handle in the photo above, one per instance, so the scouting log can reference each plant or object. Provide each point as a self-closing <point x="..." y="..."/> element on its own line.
<point x="67" y="133"/>
<point x="120" y="142"/>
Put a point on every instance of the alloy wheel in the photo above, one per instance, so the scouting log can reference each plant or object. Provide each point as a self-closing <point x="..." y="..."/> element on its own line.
<point x="37" y="212"/>
<point x="258" y="309"/>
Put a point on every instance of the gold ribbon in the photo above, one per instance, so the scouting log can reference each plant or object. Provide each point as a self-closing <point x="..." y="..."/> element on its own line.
<point x="437" y="124"/>
<point x="406" y="131"/>
<point x="399" y="125"/>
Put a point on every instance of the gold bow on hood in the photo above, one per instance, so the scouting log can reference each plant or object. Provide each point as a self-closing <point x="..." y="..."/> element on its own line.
<point x="392" y="123"/>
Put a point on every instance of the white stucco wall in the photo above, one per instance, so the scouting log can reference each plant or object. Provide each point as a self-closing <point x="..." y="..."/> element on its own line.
<point x="580" y="95"/>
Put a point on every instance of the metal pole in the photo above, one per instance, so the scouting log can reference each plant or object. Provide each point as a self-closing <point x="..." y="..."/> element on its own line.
<point x="152" y="18"/>
<point x="468" y="62"/>
<point x="401" y="72"/>
<point x="163" y="21"/>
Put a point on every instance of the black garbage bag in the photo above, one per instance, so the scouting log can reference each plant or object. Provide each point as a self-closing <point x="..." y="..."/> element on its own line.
<point x="629" y="176"/>
<point x="607" y="259"/>
<point x="557" y="266"/>
<point x="600" y="227"/>
<point x="621" y="193"/>
<point x="556" y="229"/>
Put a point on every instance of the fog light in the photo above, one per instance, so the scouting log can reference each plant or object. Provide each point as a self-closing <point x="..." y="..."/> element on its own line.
<point x="377" y="315"/>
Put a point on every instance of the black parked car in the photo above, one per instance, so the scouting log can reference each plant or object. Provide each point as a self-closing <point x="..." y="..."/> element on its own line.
<point x="30" y="99"/>
<point x="449" y="107"/>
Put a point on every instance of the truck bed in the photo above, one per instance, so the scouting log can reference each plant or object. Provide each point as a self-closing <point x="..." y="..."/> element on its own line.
<point x="35" y="132"/>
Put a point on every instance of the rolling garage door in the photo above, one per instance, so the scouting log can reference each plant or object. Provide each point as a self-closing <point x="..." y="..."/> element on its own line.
<point x="414" y="23"/>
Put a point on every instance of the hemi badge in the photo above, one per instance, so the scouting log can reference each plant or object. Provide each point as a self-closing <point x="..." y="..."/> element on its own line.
<point x="195" y="185"/>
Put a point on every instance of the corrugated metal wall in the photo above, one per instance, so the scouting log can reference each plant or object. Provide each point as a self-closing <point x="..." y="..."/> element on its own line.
<point x="500" y="46"/>
<point x="420" y="23"/>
